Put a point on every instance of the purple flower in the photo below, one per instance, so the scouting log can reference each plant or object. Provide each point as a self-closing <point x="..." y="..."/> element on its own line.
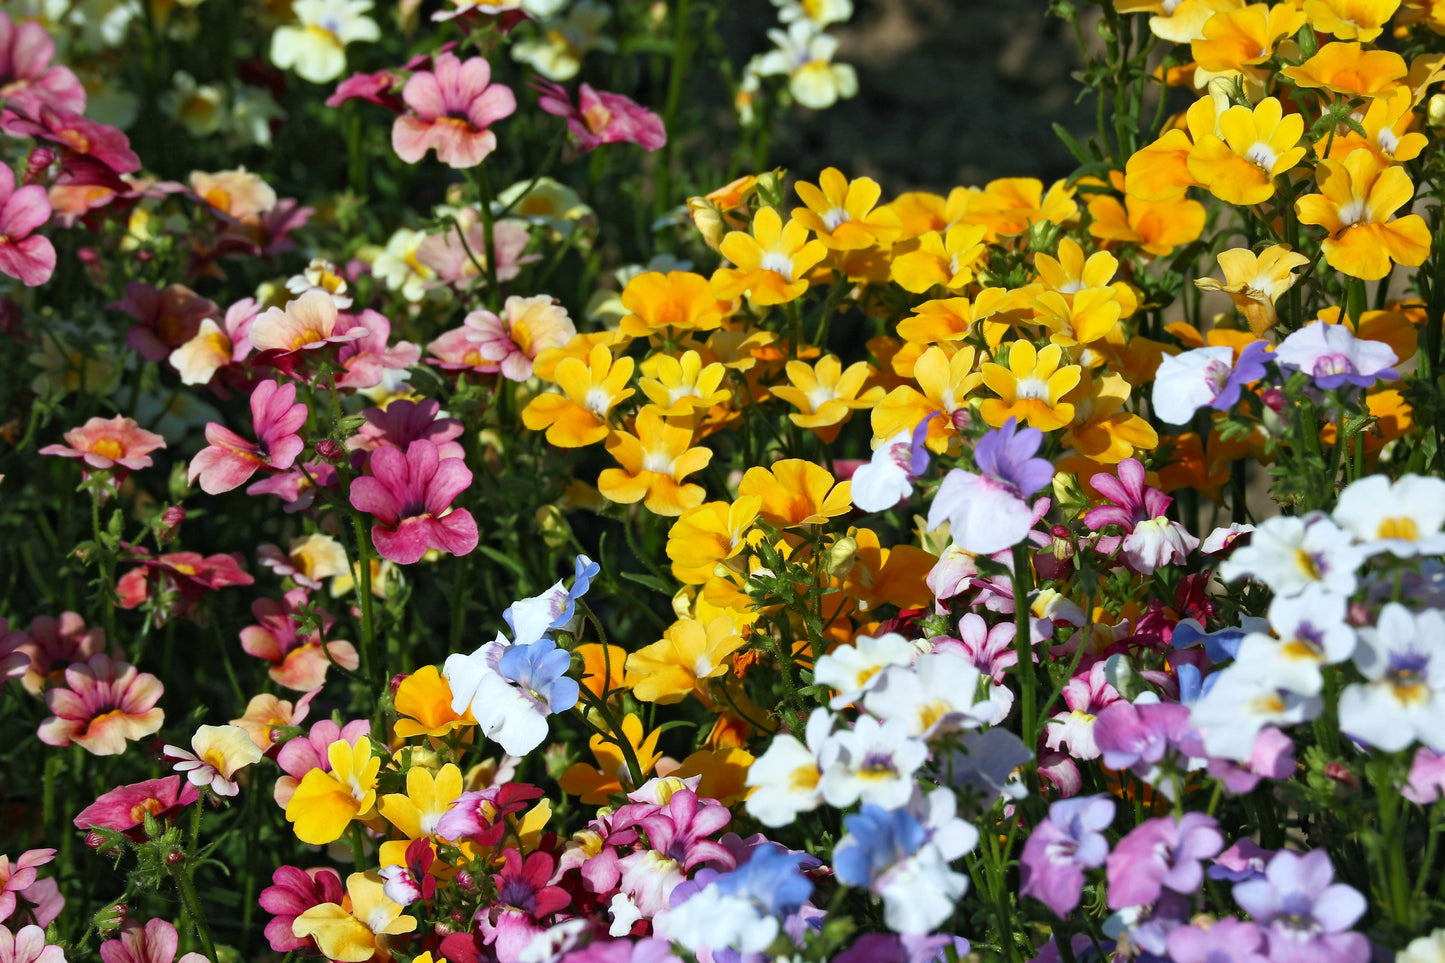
<point x="1158" y="854"/>
<point x="541" y="668"/>
<point x="1062" y="847"/>
<point x="988" y="512"/>
<point x="888" y="948"/>
<point x="1334" y="357"/>
<point x="1307" y="914"/>
<point x="1244" y="860"/>
<point x="1228" y="941"/>
<point x="1137" y="737"/>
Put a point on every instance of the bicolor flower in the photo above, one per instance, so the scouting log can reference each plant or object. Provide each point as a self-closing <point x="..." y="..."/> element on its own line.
<point x="889" y="853"/>
<point x="28" y="78"/>
<point x="989" y="512"/>
<point x="1205" y="377"/>
<point x="1289" y="553"/>
<point x="529" y="327"/>
<point x="873" y="762"/>
<point x="1161" y="854"/>
<point x="1403" y="661"/>
<point x="410" y="495"/>
<point x="315" y="46"/>
<point x="357" y="934"/>
<point x="1306" y="915"/>
<point x="325" y="802"/>
<point x="510" y="689"/>
<point x="453" y="106"/>
<point x="230" y="460"/>
<point x="1254" y="282"/>
<point x="1333" y="357"/>
<point x="105" y="704"/>
<point x="888" y="478"/>
<point x="116" y="444"/>
<point x="217" y="753"/>
<point x="786" y="779"/>
<point x="1402" y="517"/>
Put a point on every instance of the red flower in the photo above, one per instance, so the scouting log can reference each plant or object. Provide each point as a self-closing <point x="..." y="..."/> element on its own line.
<point x="79" y="135"/>
<point x="125" y="809"/>
<point x="601" y="117"/>
<point x="189" y="575"/>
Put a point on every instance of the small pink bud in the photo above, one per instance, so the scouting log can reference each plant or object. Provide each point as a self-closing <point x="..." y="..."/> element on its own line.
<point x="330" y="451"/>
<point x="1274" y="399"/>
<point x="169" y="524"/>
<point x="1339" y="772"/>
<point x="464" y="881"/>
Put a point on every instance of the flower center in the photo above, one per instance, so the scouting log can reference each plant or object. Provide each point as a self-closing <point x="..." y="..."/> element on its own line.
<point x="779" y="263"/>
<point x="834" y="217"/>
<point x="1307" y="564"/>
<point x="305" y="337"/>
<point x="597" y="117"/>
<point x="150" y="805"/>
<point x="1401" y="527"/>
<point x="108" y="448"/>
<point x="1032" y="389"/>
<point x="1261" y="156"/>
<point x="1333" y="364"/>
<point x="1408" y="676"/>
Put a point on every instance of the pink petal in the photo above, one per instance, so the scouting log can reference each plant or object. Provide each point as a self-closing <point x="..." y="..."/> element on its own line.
<point x="221" y="470"/>
<point x="456" y="532"/>
<point x="411" y="137"/>
<point x="376" y="499"/>
<point x="24" y="211"/>
<point x="424" y="95"/>
<point x="461" y="149"/>
<point x="468" y="80"/>
<point x="451" y="478"/>
<point x="32" y="260"/>
<point x="405" y="544"/>
<point x="494" y="104"/>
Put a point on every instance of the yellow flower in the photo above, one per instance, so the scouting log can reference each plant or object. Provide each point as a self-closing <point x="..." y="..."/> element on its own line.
<point x="679" y="385"/>
<point x="1254" y="283"/>
<point x="941" y="258"/>
<point x="772" y="262"/>
<point x="1157" y="227"/>
<point x="689" y="653"/>
<point x="796" y="492"/>
<point x="709" y="534"/>
<point x="578" y="416"/>
<point x="843" y="214"/>
<point x="722" y="208"/>
<point x="946" y="384"/>
<point x="1011" y="205"/>
<point x="1361" y="20"/>
<point x="357" y="935"/>
<point x="677" y="301"/>
<point x="920" y="211"/>
<point x="724" y="773"/>
<point x="1178" y="21"/>
<point x="610" y="775"/>
<point x="943" y="319"/>
<point x="654" y="463"/>
<point x="1356" y="202"/>
<point x="1240" y="167"/>
<point x="1347" y="68"/>
<point x="826" y="395"/>
<point x="579" y="346"/>
<point x="1086" y="317"/>
<point x="1386" y="122"/>
<point x="1101" y="430"/>
<point x="1160" y="171"/>
<point x="426" y="800"/>
<point x="1233" y="40"/>
<point x="325" y="803"/>
<point x="1031" y="388"/>
<point x="424" y="700"/>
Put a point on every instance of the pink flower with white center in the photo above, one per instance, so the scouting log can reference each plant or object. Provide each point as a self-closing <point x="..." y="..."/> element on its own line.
<point x="1086" y="694"/>
<point x="403" y="422"/>
<point x="106" y="704"/>
<point x="298" y="662"/>
<point x="410" y="496"/>
<point x="216" y="346"/>
<point x="156" y="942"/>
<point x="217" y="754"/>
<point x="24" y="255"/>
<point x="230" y="460"/>
<point x="676" y="836"/>
<point x="28" y="946"/>
<point x="368" y="358"/>
<point x="165" y="319"/>
<point x="309" y="323"/>
<point x="453" y="105"/>
<point x="27" y="80"/>
<point x="117" y="443"/>
<point x="1157" y="542"/>
<point x="17" y="878"/>
<point x="601" y="117"/>
<point x="530" y="327"/>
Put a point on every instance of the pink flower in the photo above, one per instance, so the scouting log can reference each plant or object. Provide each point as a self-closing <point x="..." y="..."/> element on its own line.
<point x="156" y="942"/>
<point x="108" y="703"/>
<point x="53" y="644"/>
<point x="184" y="576"/>
<point x="368" y="358"/>
<point x="1426" y="782"/>
<point x="230" y="460"/>
<point x="410" y="496"/>
<point x="1161" y="854"/>
<point x="462" y="264"/>
<point x="531" y="326"/>
<point x="216" y="346"/>
<point x="24" y="255"/>
<point x="13" y="662"/>
<point x="377" y="88"/>
<point x="108" y="443"/>
<point x="403" y="422"/>
<point x="125" y="809"/>
<point x="294" y="487"/>
<point x="77" y="134"/>
<point x="990" y="650"/>
<point x="309" y="323"/>
<point x="16" y="879"/>
<point x="27" y="81"/>
<point x="28" y="946"/>
<point x="523" y="898"/>
<point x="292" y="892"/>
<point x="601" y="117"/>
<point x="453" y="107"/>
<point x="455" y="350"/>
<point x="298" y="661"/>
<point x="166" y="319"/>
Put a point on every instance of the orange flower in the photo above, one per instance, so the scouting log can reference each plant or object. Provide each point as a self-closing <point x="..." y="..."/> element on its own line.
<point x="610" y="776"/>
<point x="1102" y="430"/>
<point x="1255" y="282"/>
<point x="1160" y="171"/>
<point x="1347" y="68"/>
<point x="1386" y="122"/>
<point x="1011" y="205"/>
<point x="654" y="463"/>
<point x="1157" y="227"/>
<point x="946" y="259"/>
<point x="843" y="214"/>
<point x="1031" y="388"/>
<point x="772" y="262"/>
<point x="796" y="492"/>
<point x="1356" y="203"/>
<point x="602" y="668"/>
<point x="424" y="701"/>
<point x="689" y="653"/>
<point x="670" y="303"/>
<point x="578" y="416"/>
<point x="1235" y="40"/>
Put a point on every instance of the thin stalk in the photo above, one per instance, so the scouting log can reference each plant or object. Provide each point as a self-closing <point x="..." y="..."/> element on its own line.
<point x="368" y="618"/>
<point x="1023" y="643"/>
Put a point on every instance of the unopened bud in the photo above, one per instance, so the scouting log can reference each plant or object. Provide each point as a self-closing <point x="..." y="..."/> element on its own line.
<point x="169" y="523"/>
<point x="1340" y="773"/>
<point x="330" y="452"/>
<point x="175" y="856"/>
<point x="111" y="918"/>
<point x="465" y="881"/>
<point x="838" y="561"/>
<point x="1435" y="111"/>
<point x="36" y="164"/>
<point x="1273" y="399"/>
<point x="94" y="839"/>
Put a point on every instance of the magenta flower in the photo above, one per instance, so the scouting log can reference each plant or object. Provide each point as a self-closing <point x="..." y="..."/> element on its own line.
<point x="410" y="496"/>
<point x="1061" y="847"/>
<point x="13" y="662"/>
<point x="1307" y="915"/>
<point x="377" y="88"/>
<point x="1131" y="500"/>
<point x="1273" y="758"/>
<point x="482" y="814"/>
<point x="1426" y="782"/>
<point x="28" y="946"/>
<point x="27" y="81"/>
<point x="294" y="487"/>
<point x="79" y="136"/>
<point x="523" y="898"/>
<point x="185" y="576"/>
<point x="1161" y="854"/>
<point x="24" y="255"/>
<point x="230" y="460"/>
<point x="292" y="892"/>
<point x="990" y="650"/>
<point x="1139" y="737"/>
<point x="125" y="809"/>
<point x="453" y="106"/>
<point x="156" y="942"/>
<point x="403" y="422"/>
<point x="600" y="117"/>
<point x="52" y="644"/>
<point x="298" y="661"/>
<point x="117" y="444"/>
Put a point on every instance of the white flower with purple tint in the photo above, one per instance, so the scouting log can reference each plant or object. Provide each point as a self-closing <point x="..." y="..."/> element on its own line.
<point x="990" y="511"/>
<point x="1404" y="700"/>
<point x="1231" y="714"/>
<point x="888" y="478"/>
<point x="1289" y="553"/>
<point x="1312" y="633"/>
<point x="1333" y="357"/>
<point x="1205" y="378"/>
<point x="511" y="689"/>
<point x="854" y="669"/>
<point x="1305" y="913"/>
<point x="890" y="854"/>
<point x="873" y="761"/>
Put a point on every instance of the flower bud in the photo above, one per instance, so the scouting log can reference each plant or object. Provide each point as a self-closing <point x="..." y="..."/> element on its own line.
<point x="168" y="525"/>
<point x="464" y="881"/>
<point x="330" y="452"/>
<point x="111" y="918"/>
<point x="1435" y="111"/>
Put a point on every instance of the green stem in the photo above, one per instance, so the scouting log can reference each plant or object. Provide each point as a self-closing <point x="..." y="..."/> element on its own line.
<point x="1022" y="586"/>
<point x="107" y="568"/>
<point x="363" y="587"/>
<point x="186" y="887"/>
<point x="489" y="252"/>
<point x="676" y="73"/>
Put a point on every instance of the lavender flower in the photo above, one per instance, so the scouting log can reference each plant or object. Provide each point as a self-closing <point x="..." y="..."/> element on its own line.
<point x="1161" y="854"/>
<point x="1333" y="357"/>
<point x="988" y="512"/>
<point x="1228" y="941"/>
<point x="1307" y="914"/>
<point x="1062" y="847"/>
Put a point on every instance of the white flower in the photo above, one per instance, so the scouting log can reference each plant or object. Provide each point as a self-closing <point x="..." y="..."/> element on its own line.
<point x="1404" y="659"/>
<point x="853" y="669"/>
<point x="1424" y="949"/>
<point x="624" y="913"/>
<point x="920" y="892"/>
<point x="558" y="51"/>
<point x="1403" y="517"/>
<point x="218" y="752"/>
<point x="504" y="714"/>
<point x="786" y="779"/>
<point x="1290" y="553"/>
<point x="940" y="693"/>
<point x="1312" y="633"/>
<point x="888" y="478"/>
<point x="712" y="920"/>
<point x="805" y="56"/>
<point x="315" y="47"/>
<point x="821" y="12"/>
<point x="873" y="761"/>
<point x="1221" y="538"/>
<point x="399" y="268"/>
<point x="1232" y="713"/>
<point x="1157" y="542"/>
<point x="1189" y="381"/>
<point x="321" y="275"/>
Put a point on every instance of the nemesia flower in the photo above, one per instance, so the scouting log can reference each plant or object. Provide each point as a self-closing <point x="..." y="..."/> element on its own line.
<point x="590" y="390"/>
<point x="80" y="138"/>
<point x="308" y="323"/>
<point x="321" y="275"/>
<point x="601" y="117"/>
<point x="165" y="319"/>
<point x="558" y="53"/>
<point x="1333" y="357"/>
<point x="1312" y="633"/>
<point x="310" y="751"/>
<point x="1205" y="377"/>
<point x="27" y="77"/>
<point x="594" y="784"/>
<point x="229" y="460"/>
<point x="682" y="385"/>
<point x="325" y="802"/>
<point x="888" y="478"/>
<point x="874" y="762"/>
<point x="796" y="492"/>
<point x="510" y="689"/>
<point x="937" y="694"/>
<point x="741" y="909"/>
<point x="1403" y="517"/>
<point x="315" y="47"/>
<point x="853" y="669"/>
<point x="410" y="497"/>
<point x="457" y="256"/>
<point x="1403" y="661"/>
<point x="105" y="704"/>
<point x="292" y="892"/>
<point x="820" y="12"/>
<point x="428" y="797"/>
<point x="404" y="421"/>
<point x="1361" y="20"/>
<point x="1255" y="146"/>
<point x="530" y="326"/>
<point x="1146" y="738"/>
<point x="1061" y="847"/>
<point x="17" y="878"/>
<point x="217" y="753"/>
<point x="215" y="346"/>
<point x="988" y="512"/>
<point x="117" y="443"/>
<point x="27" y="945"/>
<point x="946" y="258"/>
<point x="155" y="942"/>
<point x="24" y="255"/>
<point x="674" y="302"/>
<point x="805" y="54"/>
<point x="424" y="703"/>
<point x="891" y="855"/>
<point x="772" y="262"/>
<point x="844" y="214"/>
<point x="1289" y="553"/>
<point x="124" y="809"/>
<point x="356" y="935"/>
<point x="1305" y="914"/>
<point x="826" y="394"/>
<point x="1031" y="388"/>
<point x="1424" y="949"/>
<point x="1156" y="226"/>
<point x="1161" y="853"/>
<point x="309" y="561"/>
<point x="1227" y="940"/>
<point x="786" y="779"/>
<point x="1230" y="716"/>
<point x="266" y="713"/>
<point x="1254" y="282"/>
<point x="453" y="106"/>
<point x="689" y="653"/>
<point x="1356" y="205"/>
<point x="1347" y="68"/>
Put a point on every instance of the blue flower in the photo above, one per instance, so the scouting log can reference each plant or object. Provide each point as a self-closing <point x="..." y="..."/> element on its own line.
<point x="877" y="839"/>
<point x="541" y="669"/>
<point x="772" y="879"/>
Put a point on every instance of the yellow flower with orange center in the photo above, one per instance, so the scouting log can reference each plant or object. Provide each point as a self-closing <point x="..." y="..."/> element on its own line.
<point x="579" y="346"/>
<point x="1239" y="167"/>
<point x="1160" y="171"/>
<point x="826" y="395"/>
<point x="1347" y="68"/>
<point x="1356" y="203"/>
<point x="424" y="702"/>
<point x="1234" y="40"/>
<point x="707" y="535"/>
<point x="674" y="302"/>
<point x="844" y="214"/>
<point x="325" y="803"/>
<point x="679" y="385"/>
<point x="1361" y="20"/>
<point x="943" y="319"/>
<point x="1084" y="318"/>
<point x="688" y="654"/>
<point x="944" y="387"/>
<point x="355" y="933"/>
<point x="1102" y="430"/>
<point x="772" y="263"/>
<point x="654" y="463"/>
<point x="1386" y="123"/>
<point x="1156" y="227"/>
<point x="1031" y="388"/>
<point x="578" y="416"/>
<point x="946" y="259"/>
<point x="1254" y="282"/>
<point x="796" y="492"/>
<point x="594" y="784"/>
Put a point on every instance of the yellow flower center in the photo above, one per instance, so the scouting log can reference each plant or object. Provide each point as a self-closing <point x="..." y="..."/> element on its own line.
<point x="108" y="448"/>
<point x="804" y="778"/>
<point x="305" y="337"/>
<point x="1401" y="527"/>
<point x="150" y="805"/>
<point x="1307" y="564"/>
<point x="1301" y="650"/>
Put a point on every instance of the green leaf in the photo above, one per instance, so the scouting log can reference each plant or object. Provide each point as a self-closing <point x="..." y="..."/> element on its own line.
<point x="652" y="582"/>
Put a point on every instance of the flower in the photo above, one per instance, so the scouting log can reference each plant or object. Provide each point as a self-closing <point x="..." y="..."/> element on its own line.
<point x="308" y="323"/>
<point x="1305" y="914"/>
<point x="1356" y="205"/>
<point x="309" y="562"/>
<point x="100" y="150"/>
<point x="457" y="255"/>
<point x="28" y="946"/>
<point x="889" y="853"/>
<point x="359" y="934"/>
<point x="873" y="762"/>
<point x="16" y="879"/>
<point x="1254" y="146"/>
<point x="105" y="703"/>
<point x="558" y="52"/>
<point x="325" y="802"/>
<point x="772" y="262"/>
<point x="989" y="512"/>
<point x="1255" y="282"/>
<point x="309" y="751"/>
<point x="410" y="497"/>
<point x="601" y="117"/>
<point x="292" y="892"/>
<point x="424" y="702"/>
<point x="1031" y="388"/>
<point x="211" y="348"/>
<point x="1161" y="853"/>
<point x="1403" y="659"/>
<point x="24" y="255"/>
<point x="594" y="785"/>
<point x="266" y="713"/>
<point x="1156" y="226"/>
<point x="786" y="779"/>
<point x="937" y="694"/>
<point x="844" y="214"/>
<point x="743" y="908"/>
<point x="531" y="326"/>
<point x="888" y="478"/>
<point x="946" y="258"/>
<point x="125" y="808"/>
<point x="653" y="464"/>
<point x="590" y="389"/>
<point x="682" y="385"/>
<point x="1205" y="377"/>
<point x="1227" y="940"/>
<point x="796" y="492"/>
<point x="805" y="54"/>
<point x="1424" y="949"/>
<point x="1347" y="68"/>
<point x="229" y="460"/>
<point x="1333" y="357"/>
<point x="1061" y="847"/>
<point x="1361" y="20"/>
<point x="299" y="661"/>
<point x="315" y="47"/>
<point x="156" y="942"/>
<point x="826" y="395"/>
<point x="117" y="443"/>
<point x="671" y="303"/>
<point x="26" y="75"/>
<point x="428" y="797"/>
<point x="689" y="653"/>
<point x="510" y="689"/>
<point x="165" y="320"/>
<point x="1402" y="517"/>
<point x="1289" y="553"/>
<point x="1235" y="40"/>
<point x="453" y="106"/>
<point x="217" y="752"/>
